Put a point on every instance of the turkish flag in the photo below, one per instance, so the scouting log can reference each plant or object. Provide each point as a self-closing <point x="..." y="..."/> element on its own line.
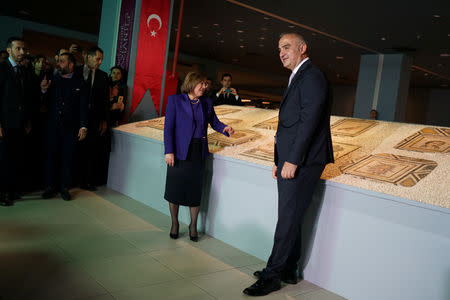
<point x="151" y="51"/>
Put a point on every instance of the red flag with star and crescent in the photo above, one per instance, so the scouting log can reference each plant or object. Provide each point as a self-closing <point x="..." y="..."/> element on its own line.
<point x="151" y="51"/>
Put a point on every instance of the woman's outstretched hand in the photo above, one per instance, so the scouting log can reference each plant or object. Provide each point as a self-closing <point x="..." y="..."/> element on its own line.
<point x="228" y="130"/>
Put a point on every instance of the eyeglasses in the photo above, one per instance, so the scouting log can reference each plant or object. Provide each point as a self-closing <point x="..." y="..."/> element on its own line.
<point x="205" y="83"/>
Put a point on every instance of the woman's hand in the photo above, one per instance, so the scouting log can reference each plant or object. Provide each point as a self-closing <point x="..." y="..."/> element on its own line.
<point x="228" y="130"/>
<point x="170" y="159"/>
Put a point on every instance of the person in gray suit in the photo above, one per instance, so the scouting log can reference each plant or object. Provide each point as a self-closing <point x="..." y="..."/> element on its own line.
<point x="302" y="149"/>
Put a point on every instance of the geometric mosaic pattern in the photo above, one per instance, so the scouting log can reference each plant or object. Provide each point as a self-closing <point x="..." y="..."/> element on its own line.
<point x="351" y="127"/>
<point x="239" y="137"/>
<point x="427" y="140"/>
<point x="263" y="152"/>
<point x="230" y="121"/>
<point x="268" y="124"/>
<point x="225" y="110"/>
<point x="396" y="169"/>
<point x="157" y="123"/>
<point x="341" y="149"/>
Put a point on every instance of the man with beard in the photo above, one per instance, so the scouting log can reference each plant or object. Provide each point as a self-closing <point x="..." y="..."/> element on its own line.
<point x="94" y="147"/>
<point x="16" y="93"/>
<point x="67" y="121"/>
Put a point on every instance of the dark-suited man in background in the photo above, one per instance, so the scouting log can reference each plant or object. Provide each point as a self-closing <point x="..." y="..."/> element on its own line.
<point x="302" y="149"/>
<point x="67" y="121"/>
<point x="16" y="94"/>
<point x="227" y="94"/>
<point x="94" y="146"/>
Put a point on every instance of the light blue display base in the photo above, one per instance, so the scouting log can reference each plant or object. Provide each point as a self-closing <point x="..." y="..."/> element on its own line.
<point x="358" y="243"/>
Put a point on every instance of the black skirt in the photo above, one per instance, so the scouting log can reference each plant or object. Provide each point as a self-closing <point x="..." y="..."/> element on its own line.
<point x="184" y="180"/>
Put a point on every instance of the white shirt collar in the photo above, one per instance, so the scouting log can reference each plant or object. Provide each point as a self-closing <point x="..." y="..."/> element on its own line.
<point x="296" y="69"/>
<point x="13" y="63"/>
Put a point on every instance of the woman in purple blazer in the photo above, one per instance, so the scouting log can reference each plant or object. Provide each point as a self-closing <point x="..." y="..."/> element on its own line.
<point x="186" y="148"/>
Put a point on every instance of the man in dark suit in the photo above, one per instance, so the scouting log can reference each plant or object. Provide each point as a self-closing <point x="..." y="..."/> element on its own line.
<point x="302" y="149"/>
<point x="67" y="120"/>
<point x="95" y="144"/>
<point x="16" y="94"/>
<point x="227" y="94"/>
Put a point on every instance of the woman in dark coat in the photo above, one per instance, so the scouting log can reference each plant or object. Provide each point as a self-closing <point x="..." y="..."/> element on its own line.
<point x="186" y="148"/>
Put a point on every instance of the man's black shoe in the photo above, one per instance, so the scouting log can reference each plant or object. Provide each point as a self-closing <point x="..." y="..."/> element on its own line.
<point x="263" y="287"/>
<point x="65" y="195"/>
<point x="49" y="193"/>
<point x="286" y="277"/>
<point x="289" y="277"/>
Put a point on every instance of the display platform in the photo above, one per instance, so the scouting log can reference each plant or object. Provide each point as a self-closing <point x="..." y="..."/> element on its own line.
<point x="378" y="227"/>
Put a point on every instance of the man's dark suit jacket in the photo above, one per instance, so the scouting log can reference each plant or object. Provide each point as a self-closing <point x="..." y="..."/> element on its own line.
<point x="303" y="136"/>
<point x="98" y="97"/>
<point x="15" y="98"/>
<point x="67" y="103"/>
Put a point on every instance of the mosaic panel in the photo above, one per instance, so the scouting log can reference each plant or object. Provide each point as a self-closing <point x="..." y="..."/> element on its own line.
<point x="225" y="110"/>
<point x="341" y="149"/>
<point x="263" y="152"/>
<point x="157" y="123"/>
<point x="268" y="124"/>
<point x="230" y="121"/>
<point x="352" y="127"/>
<point x="239" y="137"/>
<point x="395" y="169"/>
<point x="427" y="140"/>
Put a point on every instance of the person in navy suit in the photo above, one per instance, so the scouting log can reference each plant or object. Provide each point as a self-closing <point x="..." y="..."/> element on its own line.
<point x="67" y="121"/>
<point x="186" y="148"/>
<point x="302" y="149"/>
<point x="17" y="94"/>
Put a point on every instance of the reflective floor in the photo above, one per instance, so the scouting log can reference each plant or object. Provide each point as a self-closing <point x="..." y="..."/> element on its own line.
<point x="104" y="245"/>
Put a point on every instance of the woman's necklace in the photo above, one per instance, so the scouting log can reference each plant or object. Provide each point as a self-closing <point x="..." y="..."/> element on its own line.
<point x="194" y="101"/>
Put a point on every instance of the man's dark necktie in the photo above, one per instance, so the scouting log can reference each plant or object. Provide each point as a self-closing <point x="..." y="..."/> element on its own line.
<point x="19" y="75"/>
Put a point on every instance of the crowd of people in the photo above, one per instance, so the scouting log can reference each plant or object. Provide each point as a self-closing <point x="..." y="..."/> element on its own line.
<point x="55" y="120"/>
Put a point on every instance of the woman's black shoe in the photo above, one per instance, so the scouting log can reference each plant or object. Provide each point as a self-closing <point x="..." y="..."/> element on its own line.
<point x="174" y="235"/>
<point x="192" y="237"/>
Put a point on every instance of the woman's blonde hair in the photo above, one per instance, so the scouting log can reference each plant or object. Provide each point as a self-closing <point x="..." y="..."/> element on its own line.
<point x="191" y="80"/>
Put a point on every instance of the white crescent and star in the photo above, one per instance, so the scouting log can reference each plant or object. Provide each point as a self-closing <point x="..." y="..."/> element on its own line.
<point x="157" y="18"/>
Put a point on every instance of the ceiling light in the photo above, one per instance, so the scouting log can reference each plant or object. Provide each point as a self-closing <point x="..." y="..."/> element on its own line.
<point x="195" y="27"/>
<point x="188" y="35"/>
<point x="239" y="31"/>
<point x="239" y="21"/>
<point x="222" y="41"/>
<point x="426" y="74"/>
<point x="218" y="33"/>
<point x="200" y="36"/>
<point x="339" y="57"/>
<point x="338" y="75"/>
<point x="436" y="16"/>
<point x="215" y="24"/>
<point x="241" y="46"/>
<point x="383" y="38"/>
<point x="419" y="37"/>
<point x="241" y="40"/>
<point x="266" y="18"/>
<point x="444" y="55"/>
<point x="262" y="38"/>
<point x="261" y="45"/>
<point x="291" y="26"/>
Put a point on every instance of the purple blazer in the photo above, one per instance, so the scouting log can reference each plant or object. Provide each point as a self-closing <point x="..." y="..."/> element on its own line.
<point x="179" y="125"/>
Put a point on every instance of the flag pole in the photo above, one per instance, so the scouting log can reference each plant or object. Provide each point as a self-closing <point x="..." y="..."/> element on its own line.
<point x="177" y="43"/>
